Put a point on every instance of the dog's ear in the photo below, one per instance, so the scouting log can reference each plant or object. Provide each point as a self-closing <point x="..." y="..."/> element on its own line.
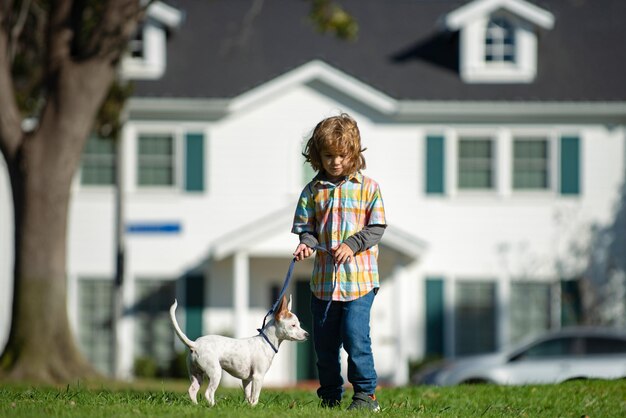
<point x="289" y="304"/>
<point x="282" y="308"/>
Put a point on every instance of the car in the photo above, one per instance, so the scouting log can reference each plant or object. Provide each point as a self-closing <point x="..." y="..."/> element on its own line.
<point x="558" y="356"/>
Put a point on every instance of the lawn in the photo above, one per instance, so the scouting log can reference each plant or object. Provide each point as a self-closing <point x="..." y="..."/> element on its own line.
<point x="576" y="399"/>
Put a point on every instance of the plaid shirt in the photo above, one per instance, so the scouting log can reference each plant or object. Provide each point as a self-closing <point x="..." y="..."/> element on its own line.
<point x="334" y="212"/>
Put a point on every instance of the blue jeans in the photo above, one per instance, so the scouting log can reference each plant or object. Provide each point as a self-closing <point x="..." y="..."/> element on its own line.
<point x="347" y="324"/>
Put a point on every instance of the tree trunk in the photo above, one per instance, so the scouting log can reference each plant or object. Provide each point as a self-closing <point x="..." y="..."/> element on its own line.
<point x="41" y="346"/>
<point x="78" y="58"/>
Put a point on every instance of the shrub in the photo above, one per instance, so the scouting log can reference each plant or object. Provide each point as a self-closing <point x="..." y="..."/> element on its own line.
<point x="146" y="367"/>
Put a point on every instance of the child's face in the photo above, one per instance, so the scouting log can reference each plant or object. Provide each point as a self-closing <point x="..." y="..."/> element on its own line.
<point x="335" y="163"/>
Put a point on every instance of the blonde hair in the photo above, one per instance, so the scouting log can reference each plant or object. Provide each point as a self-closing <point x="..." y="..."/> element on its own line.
<point x="336" y="134"/>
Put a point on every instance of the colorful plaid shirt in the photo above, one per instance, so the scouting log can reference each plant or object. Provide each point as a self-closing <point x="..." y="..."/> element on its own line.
<point x="334" y="212"/>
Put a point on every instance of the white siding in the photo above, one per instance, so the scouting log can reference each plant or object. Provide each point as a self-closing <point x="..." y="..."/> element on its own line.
<point x="253" y="169"/>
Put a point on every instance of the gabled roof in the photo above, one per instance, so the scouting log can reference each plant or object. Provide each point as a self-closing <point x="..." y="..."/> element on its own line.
<point x="479" y="8"/>
<point x="226" y="48"/>
<point x="165" y="14"/>
<point x="321" y="72"/>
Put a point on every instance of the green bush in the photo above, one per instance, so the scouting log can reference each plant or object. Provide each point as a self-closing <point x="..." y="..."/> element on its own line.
<point x="146" y="367"/>
<point x="178" y="366"/>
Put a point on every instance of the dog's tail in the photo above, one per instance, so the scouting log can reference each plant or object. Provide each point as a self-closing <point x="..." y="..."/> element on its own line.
<point x="179" y="332"/>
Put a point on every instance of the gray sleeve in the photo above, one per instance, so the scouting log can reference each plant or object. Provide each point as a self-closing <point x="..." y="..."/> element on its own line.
<point x="366" y="238"/>
<point x="308" y="239"/>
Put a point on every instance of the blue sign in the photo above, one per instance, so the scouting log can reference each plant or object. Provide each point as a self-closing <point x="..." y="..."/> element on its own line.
<point x="153" y="228"/>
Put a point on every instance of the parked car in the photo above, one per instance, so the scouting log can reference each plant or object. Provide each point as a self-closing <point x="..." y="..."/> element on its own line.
<point x="568" y="354"/>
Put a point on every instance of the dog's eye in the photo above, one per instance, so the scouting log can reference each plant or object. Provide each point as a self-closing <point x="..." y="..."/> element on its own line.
<point x="293" y="325"/>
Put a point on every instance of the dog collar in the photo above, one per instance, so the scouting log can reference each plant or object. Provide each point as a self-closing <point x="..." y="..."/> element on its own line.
<point x="268" y="340"/>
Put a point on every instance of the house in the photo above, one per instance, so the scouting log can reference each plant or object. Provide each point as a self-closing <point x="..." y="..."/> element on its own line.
<point x="496" y="129"/>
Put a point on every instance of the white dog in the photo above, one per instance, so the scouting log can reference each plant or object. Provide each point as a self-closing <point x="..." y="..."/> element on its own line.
<point x="247" y="358"/>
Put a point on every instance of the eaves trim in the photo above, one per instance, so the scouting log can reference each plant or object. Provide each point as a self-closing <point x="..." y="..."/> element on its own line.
<point x="167" y="15"/>
<point x="460" y="17"/>
<point x="316" y="70"/>
<point x="150" y="108"/>
<point x="604" y="112"/>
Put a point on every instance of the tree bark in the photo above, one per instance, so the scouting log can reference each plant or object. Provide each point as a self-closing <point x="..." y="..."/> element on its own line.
<point x="41" y="345"/>
<point x="41" y="165"/>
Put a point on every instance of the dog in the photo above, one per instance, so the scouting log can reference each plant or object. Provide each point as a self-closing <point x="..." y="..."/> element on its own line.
<point x="247" y="359"/>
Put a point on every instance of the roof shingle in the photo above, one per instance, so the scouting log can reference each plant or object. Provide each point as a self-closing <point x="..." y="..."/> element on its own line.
<point x="226" y="47"/>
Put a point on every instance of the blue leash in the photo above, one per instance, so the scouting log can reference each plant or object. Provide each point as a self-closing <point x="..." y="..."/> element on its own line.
<point x="275" y="305"/>
<point x="336" y="267"/>
<point x="282" y="293"/>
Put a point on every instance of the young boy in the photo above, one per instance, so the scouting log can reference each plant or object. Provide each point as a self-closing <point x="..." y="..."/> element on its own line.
<point x="340" y="214"/>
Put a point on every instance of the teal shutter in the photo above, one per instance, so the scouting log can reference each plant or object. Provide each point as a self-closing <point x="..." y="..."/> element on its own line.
<point x="571" y="305"/>
<point x="435" y="168"/>
<point x="570" y="165"/>
<point x="194" y="162"/>
<point x="194" y="298"/>
<point x="434" y="316"/>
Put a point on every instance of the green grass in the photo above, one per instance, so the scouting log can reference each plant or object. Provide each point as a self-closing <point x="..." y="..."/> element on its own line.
<point x="169" y="399"/>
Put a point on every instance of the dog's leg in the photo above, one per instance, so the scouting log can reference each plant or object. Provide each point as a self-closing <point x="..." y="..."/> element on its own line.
<point x="255" y="389"/>
<point x="196" y="382"/>
<point x="195" y="376"/>
<point x="247" y="389"/>
<point x="214" y="374"/>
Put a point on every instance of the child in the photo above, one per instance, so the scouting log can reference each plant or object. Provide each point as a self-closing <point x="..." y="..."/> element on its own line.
<point x="341" y="213"/>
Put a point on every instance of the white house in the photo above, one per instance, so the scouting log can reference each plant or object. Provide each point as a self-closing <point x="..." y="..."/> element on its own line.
<point x="496" y="129"/>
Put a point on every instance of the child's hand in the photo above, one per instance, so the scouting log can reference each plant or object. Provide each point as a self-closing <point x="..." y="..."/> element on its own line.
<point x="343" y="254"/>
<point x="302" y="251"/>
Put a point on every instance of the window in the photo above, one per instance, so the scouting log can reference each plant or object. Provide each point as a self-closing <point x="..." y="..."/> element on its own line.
<point x="505" y="161"/>
<point x="531" y="163"/>
<point x="146" y="57"/>
<point x="530" y="309"/>
<point x="98" y="163"/>
<point x="604" y="345"/>
<point x="475" y="318"/>
<point x="136" y="44"/>
<point x="476" y="162"/>
<point x="94" y="328"/>
<point x="156" y="156"/>
<point x="154" y="338"/>
<point x="499" y="41"/>
<point x="559" y="346"/>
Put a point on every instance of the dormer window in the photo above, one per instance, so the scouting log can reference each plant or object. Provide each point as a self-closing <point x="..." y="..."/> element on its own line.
<point x="135" y="46"/>
<point x="146" y="55"/>
<point x="498" y="40"/>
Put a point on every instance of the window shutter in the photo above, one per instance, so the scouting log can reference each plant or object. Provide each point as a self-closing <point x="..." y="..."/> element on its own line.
<point x="194" y="298"/>
<point x="194" y="167"/>
<point x="571" y="309"/>
<point x="570" y="165"/>
<point x="434" y="316"/>
<point x="435" y="157"/>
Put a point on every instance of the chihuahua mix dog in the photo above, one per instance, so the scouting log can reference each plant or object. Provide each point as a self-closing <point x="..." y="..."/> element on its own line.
<point x="247" y="359"/>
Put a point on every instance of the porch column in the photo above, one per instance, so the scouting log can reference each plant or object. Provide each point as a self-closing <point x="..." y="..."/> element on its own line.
<point x="241" y="286"/>
<point x="401" y="373"/>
